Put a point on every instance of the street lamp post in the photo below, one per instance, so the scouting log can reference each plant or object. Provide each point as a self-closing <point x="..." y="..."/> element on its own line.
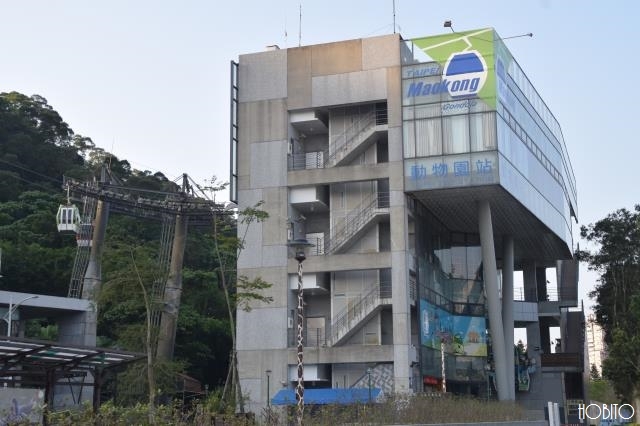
<point x="299" y="245"/>
<point x="369" y="374"/>
<point x="487" y="369"/>
<point x="9" y="315"/>
<point x="268" y="377"/>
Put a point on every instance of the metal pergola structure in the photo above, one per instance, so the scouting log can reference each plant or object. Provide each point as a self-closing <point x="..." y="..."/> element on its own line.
<point x="43" y="364"/>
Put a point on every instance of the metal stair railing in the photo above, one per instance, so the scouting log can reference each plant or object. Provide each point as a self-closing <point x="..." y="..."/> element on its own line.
<point x="351" y="316"/>
<point x="354" y="135"/>
<point x="343" y="144"/>
<point x="84" y="250"/>
<point x="355" y="220"/>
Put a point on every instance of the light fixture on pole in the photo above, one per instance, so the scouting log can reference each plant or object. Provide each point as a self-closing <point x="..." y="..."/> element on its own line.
<point x="9" y="315"/>
<point x="448" y="24"/>
<point x="299" y="246"/>
<point x="268" y="378"/>
<point x="369" y="374"/>
<point x="487" y="369"/>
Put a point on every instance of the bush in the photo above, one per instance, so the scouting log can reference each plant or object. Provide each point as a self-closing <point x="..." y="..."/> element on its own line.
<point x="395" y="409"/>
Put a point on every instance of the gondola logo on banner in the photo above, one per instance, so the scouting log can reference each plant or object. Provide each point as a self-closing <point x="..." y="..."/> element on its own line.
<point x="464" y="75"/>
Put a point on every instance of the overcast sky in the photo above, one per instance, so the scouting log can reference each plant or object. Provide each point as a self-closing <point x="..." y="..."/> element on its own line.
<point x="149" y="80"/>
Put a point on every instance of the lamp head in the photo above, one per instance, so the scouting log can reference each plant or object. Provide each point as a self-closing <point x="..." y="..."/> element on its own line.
<point x="448" y="24"/>
<point x="299" y="245"/>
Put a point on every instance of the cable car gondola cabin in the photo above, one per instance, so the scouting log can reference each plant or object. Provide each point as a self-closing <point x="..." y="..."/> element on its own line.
<point x="68" y="219"/>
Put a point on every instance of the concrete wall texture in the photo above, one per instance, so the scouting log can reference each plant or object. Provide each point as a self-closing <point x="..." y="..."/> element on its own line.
<point x="300" y="109"/>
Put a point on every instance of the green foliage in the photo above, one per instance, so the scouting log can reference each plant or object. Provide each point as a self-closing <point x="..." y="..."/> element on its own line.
<point x="38" y="148"/>
<point x="594" y="373"/>
<point x="41" y="330"/>
<point x="617" y="295"/>
<point x="36" y="142"/>
<point x="248" y="291"/>
<point x="601" y="390"/>
<point x="132" y="384"/>
<point x="394" y="410"/>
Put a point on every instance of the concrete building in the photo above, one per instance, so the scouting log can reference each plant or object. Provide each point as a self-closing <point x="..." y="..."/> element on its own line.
<point x="424" y="172"/>
<point x="595" y="343"/>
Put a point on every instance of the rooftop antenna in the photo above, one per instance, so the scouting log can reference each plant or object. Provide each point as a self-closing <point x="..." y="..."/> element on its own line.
<point x="300" y="27"/>
<point x="394" y="16"/>
<point x="448" y="24"/>
<point x="516" y="36"/>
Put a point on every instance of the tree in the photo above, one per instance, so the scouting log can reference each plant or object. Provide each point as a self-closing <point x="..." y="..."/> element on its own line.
<point x="617" y="296"/>
<point x="594" y="373"/>
<point x="38" y="148"/>
<point x="37" y="145"/>
<point x="239" y="291"/>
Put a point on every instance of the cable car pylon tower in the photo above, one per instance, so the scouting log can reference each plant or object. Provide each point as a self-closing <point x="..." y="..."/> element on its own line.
<point x="176" y="211"/>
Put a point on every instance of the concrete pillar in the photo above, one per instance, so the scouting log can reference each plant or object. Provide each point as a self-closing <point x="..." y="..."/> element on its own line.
<point x="400" y="292"/>
<point x="533" y="329"/>
<point x="529" y="282"/>
<point x="172" y="292"/>
<point x="541" y="283"/>
<point x="493" y="299"/>
<point x="507" y="310"/>
<point x="93" y="275"/>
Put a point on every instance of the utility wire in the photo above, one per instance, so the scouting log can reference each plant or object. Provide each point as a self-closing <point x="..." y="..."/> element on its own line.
<point x="47" y="189"/>
<point x="17" y="166"/>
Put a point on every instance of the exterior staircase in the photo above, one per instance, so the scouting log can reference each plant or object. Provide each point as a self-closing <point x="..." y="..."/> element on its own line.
<point x="380" y="377"/>
<point x="372" y="210"/>
<point x="351" y="318"/>
<point x="345" y="147"/>
<point x="356" y="138"/>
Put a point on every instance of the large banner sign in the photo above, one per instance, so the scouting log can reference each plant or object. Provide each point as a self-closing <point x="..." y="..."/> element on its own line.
<point x="461" y="334"/>
<point x="467" y="63"/>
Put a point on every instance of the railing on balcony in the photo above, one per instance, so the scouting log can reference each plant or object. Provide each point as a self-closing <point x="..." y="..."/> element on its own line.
<point x="356" y="220"/>
<point x="462" y="308"/>
<point x="354" y="135"/>
<point x="413" y="289"/>
<point x="562" y="359"/>
<point x="308" y="160"/>
<point x="552" y="295"/>
<point x="319" y="243"/>
<point x="352" y="316"/>
<point x="343" y="144"/>
<point x="311" y="337"/>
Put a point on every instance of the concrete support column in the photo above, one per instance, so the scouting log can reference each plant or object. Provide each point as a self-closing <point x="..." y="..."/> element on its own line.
<point x="400" y="293"/>
<point x="507" y="310"/>
<point x="493" y="299"/>
<point x="529" y="282"/>
<point x="541" y="282"/>
<point x="93" y="275"/>
<point x="172" y="292"/>
<point x="533" y="329"/>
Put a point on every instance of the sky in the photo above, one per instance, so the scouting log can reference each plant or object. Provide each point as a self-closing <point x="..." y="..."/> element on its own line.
<point x="149" y="80"/>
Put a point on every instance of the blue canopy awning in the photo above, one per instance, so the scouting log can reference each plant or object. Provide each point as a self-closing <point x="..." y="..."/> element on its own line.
<point x="328" y="396"/>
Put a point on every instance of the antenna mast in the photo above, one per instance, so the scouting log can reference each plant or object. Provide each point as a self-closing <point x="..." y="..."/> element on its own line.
<point x="300" y="27"/>
<point x="394" y="16"/>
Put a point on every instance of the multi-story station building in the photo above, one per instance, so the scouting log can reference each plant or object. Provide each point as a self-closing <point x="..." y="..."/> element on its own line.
<point x="425" y="172"/>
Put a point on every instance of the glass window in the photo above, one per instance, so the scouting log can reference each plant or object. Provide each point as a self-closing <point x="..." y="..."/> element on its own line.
<point x="483" y="133"/>
<point x="455" y="134"/>
<point x="428" y="137"/>
<point x="427" y="111"/>
<point x="409" y="138"/>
